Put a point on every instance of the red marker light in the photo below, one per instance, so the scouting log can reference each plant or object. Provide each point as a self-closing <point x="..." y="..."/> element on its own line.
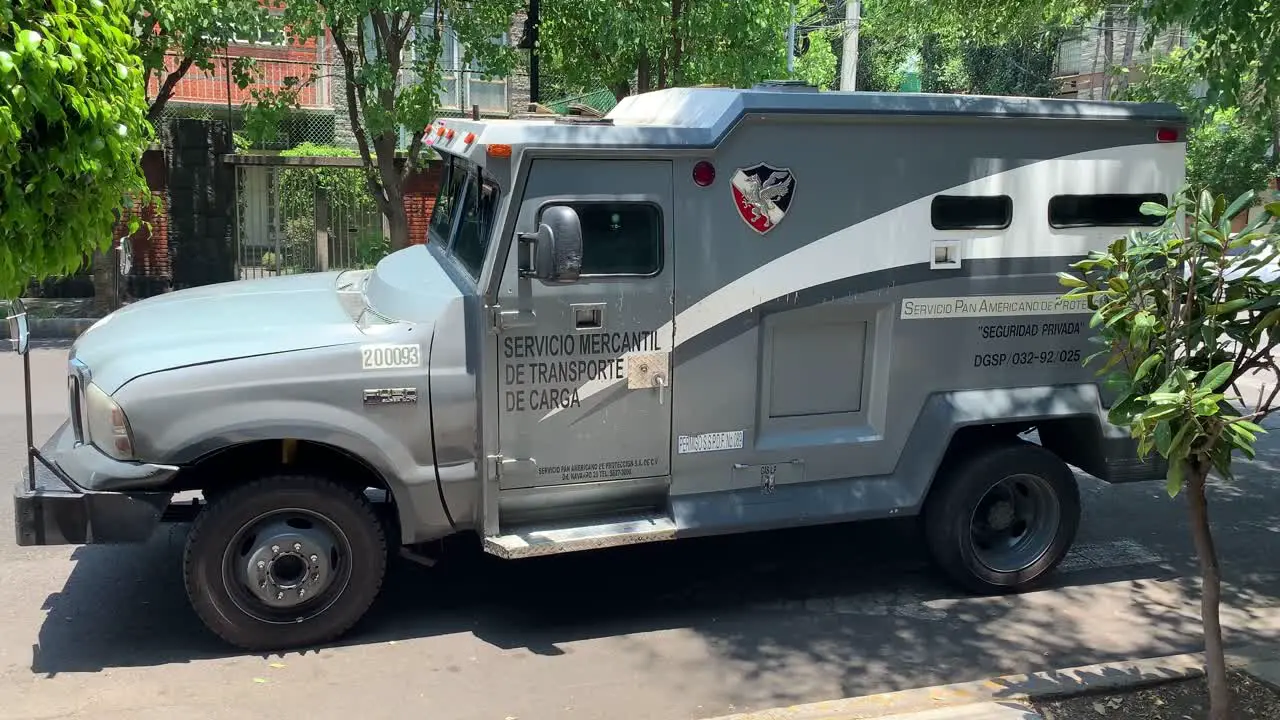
<point x="440" y="132"/>
<point x="449" y="134"/>
<point x="704" y="173"/>
<point x="1166" y="135"/>
<point x="469" y="138"/>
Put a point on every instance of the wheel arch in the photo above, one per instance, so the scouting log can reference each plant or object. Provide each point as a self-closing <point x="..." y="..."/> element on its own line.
<point x="208" y="464"/>
<point x="974" y="419"/>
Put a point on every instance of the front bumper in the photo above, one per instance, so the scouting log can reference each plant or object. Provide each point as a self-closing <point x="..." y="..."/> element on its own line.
<point x="50" y="511"/>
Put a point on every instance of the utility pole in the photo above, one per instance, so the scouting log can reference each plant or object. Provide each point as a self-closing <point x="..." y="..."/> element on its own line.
<point x="849" y="59"/>
<point x="791" y="43"/>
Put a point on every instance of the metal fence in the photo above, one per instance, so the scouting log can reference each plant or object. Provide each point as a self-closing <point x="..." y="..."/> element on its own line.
<point x="301" y="218"/>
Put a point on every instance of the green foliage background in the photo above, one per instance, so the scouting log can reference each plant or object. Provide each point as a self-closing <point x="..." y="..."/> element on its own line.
<point x="72" y="131"/>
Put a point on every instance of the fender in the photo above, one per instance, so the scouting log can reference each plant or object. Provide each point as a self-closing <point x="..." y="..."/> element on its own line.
<point x="413" y="484"/>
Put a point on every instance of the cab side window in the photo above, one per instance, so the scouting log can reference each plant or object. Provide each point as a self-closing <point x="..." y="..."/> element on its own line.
<point x="620" y="238"/>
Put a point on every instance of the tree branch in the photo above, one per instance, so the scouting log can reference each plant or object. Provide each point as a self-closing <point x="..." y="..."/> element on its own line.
<point x="166" y="89"/>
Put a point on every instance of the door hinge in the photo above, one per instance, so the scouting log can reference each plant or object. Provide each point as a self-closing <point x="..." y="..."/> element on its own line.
<point x="495" y="465"/>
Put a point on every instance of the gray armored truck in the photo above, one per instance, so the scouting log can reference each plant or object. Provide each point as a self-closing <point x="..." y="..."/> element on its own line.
<point x="711" y="311"/>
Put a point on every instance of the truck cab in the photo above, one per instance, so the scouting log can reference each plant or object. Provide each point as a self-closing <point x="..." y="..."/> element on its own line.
<point x="712" y="311"/>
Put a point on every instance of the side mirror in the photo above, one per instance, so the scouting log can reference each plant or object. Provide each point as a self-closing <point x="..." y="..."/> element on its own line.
<point x="554" y="252"/>
<point x="18" y="330"/>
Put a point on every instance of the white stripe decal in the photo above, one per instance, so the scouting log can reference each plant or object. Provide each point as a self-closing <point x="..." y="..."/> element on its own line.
<point x="903" y="236"/>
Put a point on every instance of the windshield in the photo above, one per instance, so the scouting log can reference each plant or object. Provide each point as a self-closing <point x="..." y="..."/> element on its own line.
<point x="462" y="217"/>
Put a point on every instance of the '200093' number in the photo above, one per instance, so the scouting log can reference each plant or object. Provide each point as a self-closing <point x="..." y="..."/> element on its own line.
<point x="382" y="357"/>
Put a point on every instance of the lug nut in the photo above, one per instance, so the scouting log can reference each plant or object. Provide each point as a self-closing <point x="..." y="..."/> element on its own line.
<point x="302" y="592"/>
<point x="297" y="547"/>
<point x="280" y="595"/>
<point x="275" y="549"/>
<point x="315" y="558"/>
<point x="262" y="564"/>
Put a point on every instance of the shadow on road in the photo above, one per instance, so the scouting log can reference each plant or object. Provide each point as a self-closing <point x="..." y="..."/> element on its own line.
<point x="781" y="611"/>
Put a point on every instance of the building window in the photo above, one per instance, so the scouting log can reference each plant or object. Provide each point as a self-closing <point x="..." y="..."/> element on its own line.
<point x="957" y="212"/>
<point x="620" y="238"/>
<point x="463" y="86"/>
<point x="1114" y="210"/>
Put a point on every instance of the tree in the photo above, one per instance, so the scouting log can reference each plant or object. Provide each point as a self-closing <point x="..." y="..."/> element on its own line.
<point x="1182" y="318"/>
<point x="1240" y="55"/>
<point x="177" y="35"/>
<point x="391" y="53"/>
<point x="1226" y="146"/>
<point x="641" y="45"/>
<point x="953" y="57"/>
<point x="72" y="130"/>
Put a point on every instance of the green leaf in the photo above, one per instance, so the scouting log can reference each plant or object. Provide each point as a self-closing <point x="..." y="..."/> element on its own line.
<point x="1163" y="437"/>
<point x="1214" y="379"/>
<point x="1151" y="208"/>
<point x="1230" y="307"/>
<point x="1182" y="441"/>
<point x="1069" y="280"/>
<point x="1173" y="481"/>
<point x="1150" y="362"/>
<point x="1239" y="203"/>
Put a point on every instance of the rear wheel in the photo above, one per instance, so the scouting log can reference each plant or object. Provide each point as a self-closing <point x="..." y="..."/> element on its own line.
<point x="284" y="562"/>
<point x="1001" y="518"/>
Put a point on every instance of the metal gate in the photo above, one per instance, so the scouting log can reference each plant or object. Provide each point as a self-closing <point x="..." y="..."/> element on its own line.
<point x="305" y="217"/>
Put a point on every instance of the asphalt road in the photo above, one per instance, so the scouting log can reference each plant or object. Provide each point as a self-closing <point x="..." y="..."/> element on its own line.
<point x="679" y="630"/>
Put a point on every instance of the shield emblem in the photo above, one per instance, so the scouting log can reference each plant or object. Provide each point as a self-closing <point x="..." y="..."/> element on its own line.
<point x="762" y="194"/>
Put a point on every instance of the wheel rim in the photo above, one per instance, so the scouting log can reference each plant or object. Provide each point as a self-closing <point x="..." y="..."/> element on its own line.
<point x="286" y="566"/>
<point x="1014" y="523"/>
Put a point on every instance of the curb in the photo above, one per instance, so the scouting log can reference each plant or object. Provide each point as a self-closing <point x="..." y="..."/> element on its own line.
<point x="1021" y="689"/>
<point x="53" y="328"/>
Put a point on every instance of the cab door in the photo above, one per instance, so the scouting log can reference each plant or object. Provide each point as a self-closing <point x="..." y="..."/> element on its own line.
<point x="584" y="373"/>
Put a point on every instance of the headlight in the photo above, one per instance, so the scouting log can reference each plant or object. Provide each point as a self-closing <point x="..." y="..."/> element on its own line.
<point x="107" y="425"/>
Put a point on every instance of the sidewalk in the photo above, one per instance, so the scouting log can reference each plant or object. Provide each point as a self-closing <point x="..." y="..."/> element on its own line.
<point x="1009" y="697"/>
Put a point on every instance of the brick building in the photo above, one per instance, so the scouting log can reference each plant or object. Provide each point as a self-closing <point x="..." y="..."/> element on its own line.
<point x="321" y="119"/>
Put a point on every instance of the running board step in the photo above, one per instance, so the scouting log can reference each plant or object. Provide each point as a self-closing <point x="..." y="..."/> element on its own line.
<point x="547" y="539"/>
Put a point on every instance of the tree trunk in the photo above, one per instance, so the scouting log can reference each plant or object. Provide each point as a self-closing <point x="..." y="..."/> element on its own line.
<point x="620" y="89"/>
<point x="1108" y="51"/>
<point x="398" y="224"/>
<point x="1130" y="39"/>
<point x="104" y="281"/>
<point x="1210" y="592"/>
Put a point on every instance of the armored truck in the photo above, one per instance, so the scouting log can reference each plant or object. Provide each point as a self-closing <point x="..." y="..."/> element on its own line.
<point x="710" y="311"/>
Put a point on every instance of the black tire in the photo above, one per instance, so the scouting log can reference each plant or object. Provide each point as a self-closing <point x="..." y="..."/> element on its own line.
<point x="950" y="515"/>
<point x="230" y="607"/>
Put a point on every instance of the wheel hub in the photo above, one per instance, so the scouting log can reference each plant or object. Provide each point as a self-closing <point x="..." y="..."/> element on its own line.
<point x="1014" y="523"/>
<point x="1001" y="516"/>
<point x="288" y="565"/>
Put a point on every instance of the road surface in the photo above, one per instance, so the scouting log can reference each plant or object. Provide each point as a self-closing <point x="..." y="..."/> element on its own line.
<point x="693" y="629"/>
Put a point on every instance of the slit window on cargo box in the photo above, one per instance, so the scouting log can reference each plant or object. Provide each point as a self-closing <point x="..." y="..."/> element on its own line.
<point x="960" y="212"/>
<point x="620" y="238"/>
<point x="1071" y="211"/>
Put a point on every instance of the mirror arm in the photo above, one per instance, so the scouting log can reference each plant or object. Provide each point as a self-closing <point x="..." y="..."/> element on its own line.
<point x="527" y="244"/>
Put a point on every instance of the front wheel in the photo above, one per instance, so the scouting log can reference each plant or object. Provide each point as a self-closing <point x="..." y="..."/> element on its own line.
<point x="1000" y="519"/>
<point x="284" y="562"/>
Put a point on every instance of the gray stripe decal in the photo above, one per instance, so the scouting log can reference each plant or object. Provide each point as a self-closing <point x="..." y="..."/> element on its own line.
<point x="987" y="276"/>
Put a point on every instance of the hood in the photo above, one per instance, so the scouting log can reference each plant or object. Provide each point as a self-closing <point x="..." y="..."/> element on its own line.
<point x="246" y="318"/>
<point x="224" y="321"/>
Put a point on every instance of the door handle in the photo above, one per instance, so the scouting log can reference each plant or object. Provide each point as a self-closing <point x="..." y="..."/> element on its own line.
<point x="661" y="381"/>
<point x="588" y="316"/>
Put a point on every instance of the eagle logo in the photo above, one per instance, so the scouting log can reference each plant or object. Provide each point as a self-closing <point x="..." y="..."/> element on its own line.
<point x="762" y="194"/>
